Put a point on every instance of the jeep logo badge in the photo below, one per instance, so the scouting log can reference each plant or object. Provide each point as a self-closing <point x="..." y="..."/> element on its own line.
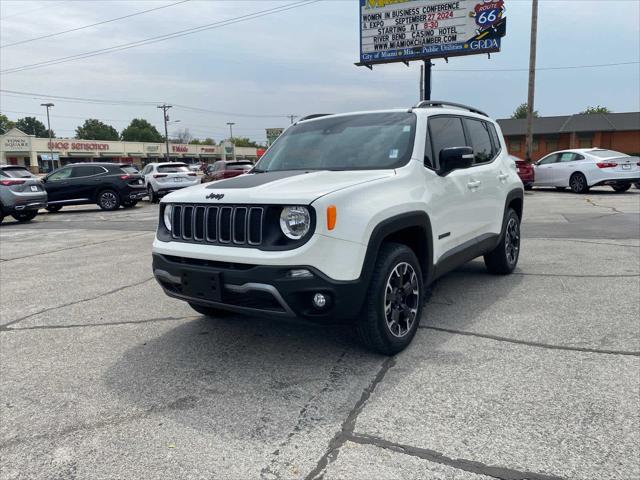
<point x="217" y="196"/>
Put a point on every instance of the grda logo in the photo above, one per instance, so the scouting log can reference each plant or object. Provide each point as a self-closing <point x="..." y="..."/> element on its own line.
<point x="217" y="196"/>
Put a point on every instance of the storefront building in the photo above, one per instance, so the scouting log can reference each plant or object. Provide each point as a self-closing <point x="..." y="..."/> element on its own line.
<point x="613" y="131"/>
<point x="41" y="156"/>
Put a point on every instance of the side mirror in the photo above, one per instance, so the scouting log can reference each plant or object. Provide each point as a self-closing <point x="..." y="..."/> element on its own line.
<point x="44" y="179"/>
<point x="455" y="158"/>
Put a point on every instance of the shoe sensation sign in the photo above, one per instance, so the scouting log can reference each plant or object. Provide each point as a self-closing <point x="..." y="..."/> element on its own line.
<point x="405" y="30"/>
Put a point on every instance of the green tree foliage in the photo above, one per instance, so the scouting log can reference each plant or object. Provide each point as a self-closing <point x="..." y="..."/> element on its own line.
<point x="33" y="126"/>
<point x="5" y="123"/>
<point x="596" y="109"/>
<point x="94" y="129"/>
<point x="139" y="130"/>
<point x="206" y="141"/>
<point x="521" y="111"/>
<point x="245" y="142"/>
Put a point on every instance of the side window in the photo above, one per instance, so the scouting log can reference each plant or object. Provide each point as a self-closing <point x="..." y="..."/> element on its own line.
<point x="577" y="157"/>
<point x="446" y="132"/>
<point x="567" y="157"/>
<point x="145" y="170"/>
<point x="550" y="159"/>
<point x="86" y="171"/>
<point x="497" y="146"/>
<point x="428" y="153"/>
<point x="480" y="140"/>
<point x="61" y="174"/>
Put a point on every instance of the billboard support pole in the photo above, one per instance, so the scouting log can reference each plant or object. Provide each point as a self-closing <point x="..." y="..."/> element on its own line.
<point x="427" y="79"/>
<point x="532" y="80"/>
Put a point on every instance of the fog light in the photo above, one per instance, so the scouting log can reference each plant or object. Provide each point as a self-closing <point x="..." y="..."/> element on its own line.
<point x="319" y="300"/>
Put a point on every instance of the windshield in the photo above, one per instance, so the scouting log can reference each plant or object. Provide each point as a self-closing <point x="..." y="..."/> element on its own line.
<point x="355" y="142"/>
<point x="607" y="153"/>
<point x="174" y="168"/>
<point x="17" y="172"/>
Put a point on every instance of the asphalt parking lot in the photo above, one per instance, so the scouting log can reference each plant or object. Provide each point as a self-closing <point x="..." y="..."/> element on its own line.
<point x="535" y="375"/>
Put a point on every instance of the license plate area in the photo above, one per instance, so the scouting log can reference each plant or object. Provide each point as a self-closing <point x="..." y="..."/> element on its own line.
<point x="34" y="188"/>
<point x="626" y="167"/>
<point x="205" y="285"/>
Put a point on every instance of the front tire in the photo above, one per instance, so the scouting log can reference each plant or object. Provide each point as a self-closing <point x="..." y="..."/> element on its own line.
<point x="503" y="259"/>
<point x="25" y="216"/>
<point x="578" y="183"/>
<point x="393" y="306"/>
<point x="621" y="188"/>
<point x="108" y="200"/>
<point x="211" y="312"/>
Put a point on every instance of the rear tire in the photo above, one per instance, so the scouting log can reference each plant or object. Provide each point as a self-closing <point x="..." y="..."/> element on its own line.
<point x="621" y="188"/>
<point x="528" y="186"/>
<point x="503" y="259"/>
<point x="153" y="196"/>
<point x="391" y="314"/>
<point x="211" y="312"/>
<point x="578" y="183"/>
<point x="54" y="208"/>
<point x="25" y="216"/>
<point x="108" y="200"/>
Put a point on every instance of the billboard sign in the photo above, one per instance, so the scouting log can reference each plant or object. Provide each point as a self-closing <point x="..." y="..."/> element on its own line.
<point x="273" y="134"/>
<point x="405" y="30"/>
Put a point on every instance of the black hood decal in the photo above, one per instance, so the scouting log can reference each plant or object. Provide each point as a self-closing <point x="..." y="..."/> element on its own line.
<point x="251" y="180"/>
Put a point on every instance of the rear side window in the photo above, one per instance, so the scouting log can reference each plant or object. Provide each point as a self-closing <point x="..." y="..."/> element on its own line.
<point x="497" y="146"/>
<point x="446" y="132"/>
<point x="550" y="159"/>
<point x="175" y="168"/>
<point x="17" y="172"/>
<point x="480" y="140"/>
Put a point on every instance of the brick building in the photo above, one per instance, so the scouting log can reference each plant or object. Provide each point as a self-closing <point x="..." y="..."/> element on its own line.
<point x="615" y="131"/>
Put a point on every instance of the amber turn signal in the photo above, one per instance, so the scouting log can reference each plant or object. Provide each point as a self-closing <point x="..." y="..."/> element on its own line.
<point x="332" y="215"/>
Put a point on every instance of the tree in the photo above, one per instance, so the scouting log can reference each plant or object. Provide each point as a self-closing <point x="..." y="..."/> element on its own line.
<point x="521" y="112"/>
<point x="139" y="130"/>
<point x="245" y="142"/>
<point x="33" y="126"/>
<point x="182" y="136"/>
<point x="206" y="141"/>
<point x="94" y="129"/>
<point x="5" y="123"/>
<point x="596" y="109"/>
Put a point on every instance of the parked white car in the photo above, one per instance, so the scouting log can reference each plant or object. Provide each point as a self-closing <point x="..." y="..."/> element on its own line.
<point x="163" y="178"/>
<point x="581" y="169"/>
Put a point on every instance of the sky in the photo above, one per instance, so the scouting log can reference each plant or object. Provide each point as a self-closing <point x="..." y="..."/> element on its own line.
<point x="295" y="62"/>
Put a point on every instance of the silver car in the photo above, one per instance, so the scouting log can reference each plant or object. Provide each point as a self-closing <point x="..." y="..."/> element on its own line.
<point x="21" y="193"/>
<point x="166" y="177"/>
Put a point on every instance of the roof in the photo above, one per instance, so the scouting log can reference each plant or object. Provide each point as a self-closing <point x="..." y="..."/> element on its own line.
<point x="595" y="122"/>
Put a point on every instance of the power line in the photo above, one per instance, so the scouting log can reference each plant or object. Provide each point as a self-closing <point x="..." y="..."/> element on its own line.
<point x="566" y="67"/>
<point x="92" y="25"/>
<point x="160" y="38"/>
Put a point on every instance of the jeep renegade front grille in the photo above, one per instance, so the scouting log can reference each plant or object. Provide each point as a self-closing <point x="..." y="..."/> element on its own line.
<point x="221" y="225"/>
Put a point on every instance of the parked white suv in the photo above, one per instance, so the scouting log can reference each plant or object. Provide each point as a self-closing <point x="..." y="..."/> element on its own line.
<point x="347" y="217"/>
<point x="166" y="177"/>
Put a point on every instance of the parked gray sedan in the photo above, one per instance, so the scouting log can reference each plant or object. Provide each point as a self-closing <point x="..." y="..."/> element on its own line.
<point x="21" y="193"/>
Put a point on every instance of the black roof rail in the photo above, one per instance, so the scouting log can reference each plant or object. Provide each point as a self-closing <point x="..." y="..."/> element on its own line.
<point x="444" y="103"/>
<point x="314" y="115"/>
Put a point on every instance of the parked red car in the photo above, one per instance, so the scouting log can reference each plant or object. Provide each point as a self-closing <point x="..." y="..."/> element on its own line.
<point x="226" y="169"/>
<point x="525" y="172"/>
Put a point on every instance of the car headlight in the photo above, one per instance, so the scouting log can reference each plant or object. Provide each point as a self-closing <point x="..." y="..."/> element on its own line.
<point x="168" y="216"/>
<point x="295" y="222"/>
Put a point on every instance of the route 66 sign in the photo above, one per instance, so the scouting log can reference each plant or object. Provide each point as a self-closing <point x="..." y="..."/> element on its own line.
<point x="488" y="13"/>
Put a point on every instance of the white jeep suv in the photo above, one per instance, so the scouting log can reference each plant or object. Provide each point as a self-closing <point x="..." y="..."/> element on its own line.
<point x="347" y="217"/>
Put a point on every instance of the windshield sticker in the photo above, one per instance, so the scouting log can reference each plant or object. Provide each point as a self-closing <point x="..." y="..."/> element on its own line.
<point x="393" y="153"/>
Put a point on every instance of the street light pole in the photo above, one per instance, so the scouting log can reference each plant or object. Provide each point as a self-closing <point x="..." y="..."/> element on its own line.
<point x="48" y="106"/>
<point x="532" y="80"/>
<point x="164" y="108"/>
<point x="231" y="124"/>
<point x="292" y="117"/>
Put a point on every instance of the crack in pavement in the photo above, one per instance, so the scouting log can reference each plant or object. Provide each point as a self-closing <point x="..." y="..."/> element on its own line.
<point x="102" y="294"/>
<point x="591" y="202"/>
<point x="76" y="246"/>
<point x="348" y="426"/>
<point x="530" y="343"/>
<point x="566" y="275"/>
<point x="471" y="466"/>
<point x="587" y="241"/>
<point x="102" y="324"/>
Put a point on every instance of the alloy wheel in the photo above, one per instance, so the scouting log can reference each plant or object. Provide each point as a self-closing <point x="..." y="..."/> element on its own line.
<point x="401" y="298"/>
<point x="512" y="241"/>
<point x="108" y="200"/>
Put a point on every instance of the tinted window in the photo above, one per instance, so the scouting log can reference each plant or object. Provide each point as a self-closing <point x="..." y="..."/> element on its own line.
<point x="497" y="146"/>
<point x="17" y="172"/>
<point x="61" y="174"/>
<point x="480" y="140"/>
<point x="146" y="169"/>
<point x="446" y="132"/>
<point x="174" y="168"/>
<point x="550" y="159"/>
<point x="349" y="142"/>
<point x="86" y="171"/>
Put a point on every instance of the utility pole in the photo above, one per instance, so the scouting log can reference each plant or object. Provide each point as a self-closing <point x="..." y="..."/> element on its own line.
<point x="48" y="106"/>
<point x="292" y="117"/>
<point x="427" y="80"/>
<point x="231" y="124"/>
<point x="532" y="80"/>
<point x="164" y="108"/>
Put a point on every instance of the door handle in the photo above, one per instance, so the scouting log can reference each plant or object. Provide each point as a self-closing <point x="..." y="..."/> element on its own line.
<point x="473" y="185"/>
<point x="502" y="177"/>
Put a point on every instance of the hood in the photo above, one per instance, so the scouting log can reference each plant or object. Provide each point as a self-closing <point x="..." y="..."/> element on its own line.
<point x="283" y="187"/>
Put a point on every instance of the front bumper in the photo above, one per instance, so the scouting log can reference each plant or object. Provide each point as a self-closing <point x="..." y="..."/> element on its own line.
<point x="258" y="289"/>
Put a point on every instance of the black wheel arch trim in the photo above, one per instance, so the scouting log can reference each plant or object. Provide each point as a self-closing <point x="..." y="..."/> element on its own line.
<point x="515" y="194"/>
